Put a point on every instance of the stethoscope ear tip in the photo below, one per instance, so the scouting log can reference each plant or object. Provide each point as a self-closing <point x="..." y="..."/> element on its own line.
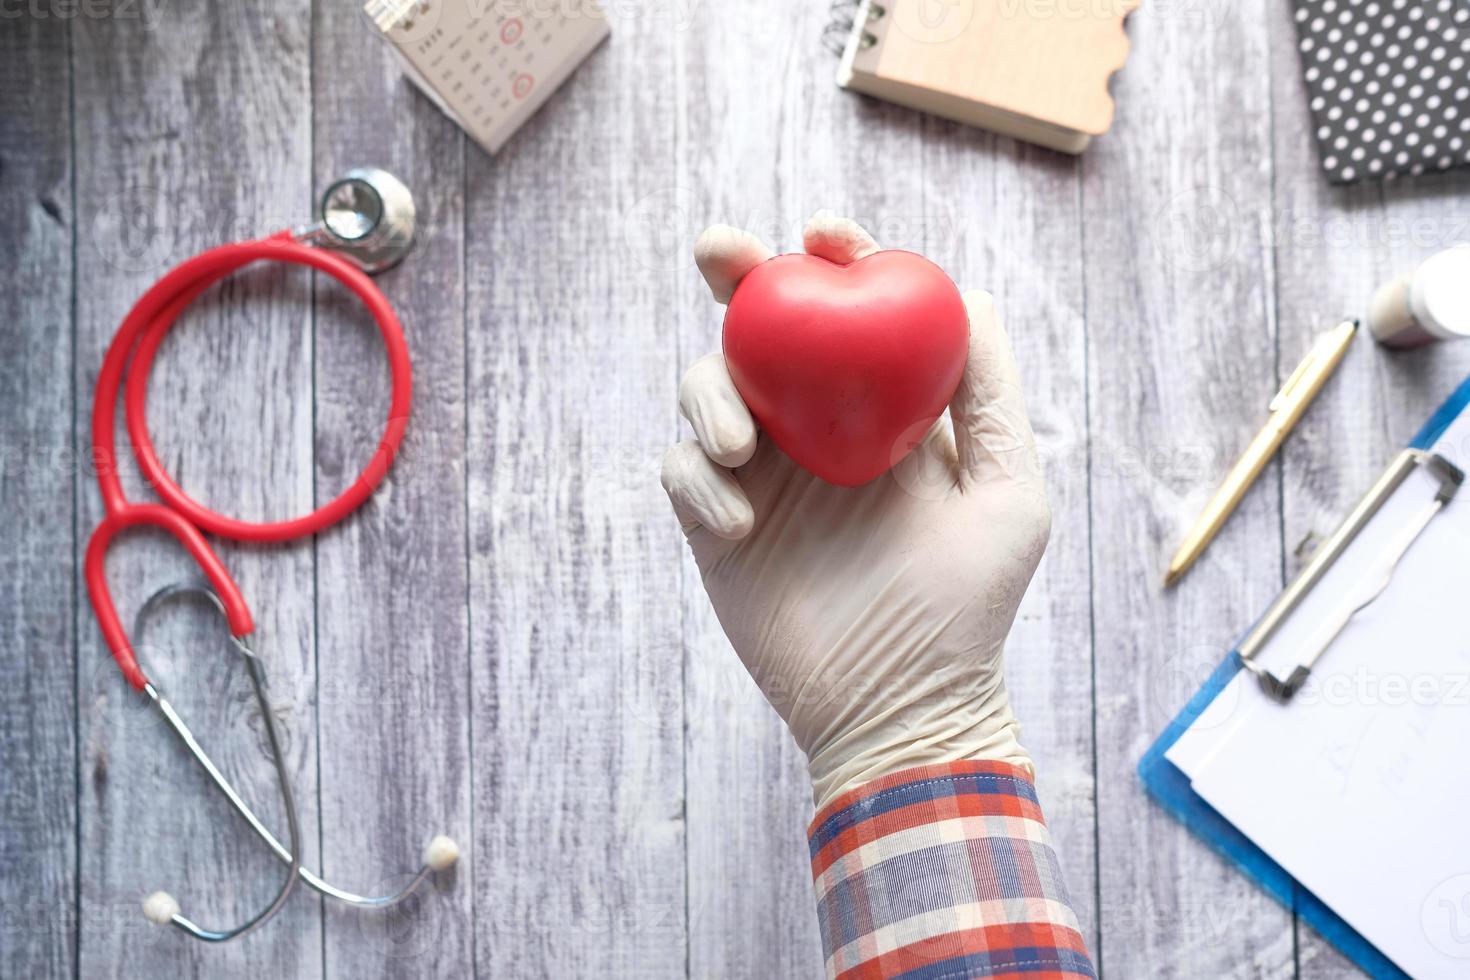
<point x="440" y="853"/>
<point x="160" y="908"/>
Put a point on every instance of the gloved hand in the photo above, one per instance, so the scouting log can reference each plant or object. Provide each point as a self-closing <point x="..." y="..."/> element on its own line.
<point x="873" y="618"/>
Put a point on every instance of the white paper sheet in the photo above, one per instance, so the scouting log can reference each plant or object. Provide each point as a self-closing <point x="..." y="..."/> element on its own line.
<point x="1360" y="786"/>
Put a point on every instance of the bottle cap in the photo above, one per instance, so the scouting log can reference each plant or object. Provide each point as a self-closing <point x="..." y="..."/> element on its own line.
<point x="1431" y="303"/>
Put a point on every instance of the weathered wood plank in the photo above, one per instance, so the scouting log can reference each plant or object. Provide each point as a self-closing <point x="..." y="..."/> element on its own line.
<point x="576" y="696"/>
<point x="392" y="622"/>
<point x="1006" y="217"/>
<point x="38" y="478"/>
<point x="1181" y="362"/>
<point x="192" y="130"/>
<point x="1333" y="248"/>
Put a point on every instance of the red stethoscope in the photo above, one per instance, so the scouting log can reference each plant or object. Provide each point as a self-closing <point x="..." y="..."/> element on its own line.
<point x="366" y="225"/>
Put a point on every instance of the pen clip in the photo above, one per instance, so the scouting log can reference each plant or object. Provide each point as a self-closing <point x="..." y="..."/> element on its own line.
<point x="1321" y="347"/>
<point x="1296" y="376"/>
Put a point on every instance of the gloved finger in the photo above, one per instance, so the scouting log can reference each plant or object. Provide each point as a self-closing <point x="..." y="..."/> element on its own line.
<point x="724" y="255"/>
<point x="839" y="240"/>
<point x="722" y="423"/>
<point x="992" y="433"/>
<point x="705" y="495"/>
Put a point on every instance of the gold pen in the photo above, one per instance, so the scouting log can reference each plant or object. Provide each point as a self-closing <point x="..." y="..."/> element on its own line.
<point x="1286" y="409"/>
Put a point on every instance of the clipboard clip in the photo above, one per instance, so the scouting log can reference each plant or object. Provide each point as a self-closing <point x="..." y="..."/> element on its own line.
<point x="1451" y="477"/>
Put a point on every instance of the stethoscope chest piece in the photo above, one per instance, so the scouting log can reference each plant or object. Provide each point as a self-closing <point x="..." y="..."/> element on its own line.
<point x="368" y="216"/>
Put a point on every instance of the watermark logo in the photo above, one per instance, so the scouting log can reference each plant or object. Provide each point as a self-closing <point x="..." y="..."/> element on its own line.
<point x="659" y="231"/>
<point x="148" y="12"/>
<point x="1176" y="680"/>
<point x="132" y="230"/>
<point x="408" y="930"/>
<point x="1445" y="917"/>
<point x="929" y="21"/>
<point x="1199" y="230"/>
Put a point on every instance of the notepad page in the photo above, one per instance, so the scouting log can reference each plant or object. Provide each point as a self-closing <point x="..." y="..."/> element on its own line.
<point x="1360" y="786"/>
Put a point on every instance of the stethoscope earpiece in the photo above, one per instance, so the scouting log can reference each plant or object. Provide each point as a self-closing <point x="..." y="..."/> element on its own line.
<point x="161" y="908"/>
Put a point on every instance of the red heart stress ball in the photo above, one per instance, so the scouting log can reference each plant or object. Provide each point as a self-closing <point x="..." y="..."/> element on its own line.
<point x="846" y="366"/>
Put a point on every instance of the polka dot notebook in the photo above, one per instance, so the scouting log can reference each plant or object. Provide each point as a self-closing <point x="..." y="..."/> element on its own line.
<point x="1389" y="84"/>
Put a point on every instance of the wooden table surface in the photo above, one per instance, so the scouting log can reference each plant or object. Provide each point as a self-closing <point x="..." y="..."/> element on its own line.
<point x="510" y="643"/>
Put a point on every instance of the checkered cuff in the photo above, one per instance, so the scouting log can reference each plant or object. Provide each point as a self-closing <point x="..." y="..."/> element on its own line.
<point x="942" y="873"/>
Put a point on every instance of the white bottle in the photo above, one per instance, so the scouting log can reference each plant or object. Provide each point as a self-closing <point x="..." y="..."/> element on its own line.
<point x="1431" y="303"/>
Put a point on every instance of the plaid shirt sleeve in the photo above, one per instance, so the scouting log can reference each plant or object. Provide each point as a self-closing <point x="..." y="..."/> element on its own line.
<point x="943" y="872"/>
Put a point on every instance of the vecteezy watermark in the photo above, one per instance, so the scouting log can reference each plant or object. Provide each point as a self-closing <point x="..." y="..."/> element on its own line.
<point x="1066" y="9"/>
<point x="555" y="913"/>
<point x="661" y="228"/>
<point x="422" y="18"/>
<point x="143" y="228"/>
<point x="1445" y="917"/>
<point x="147" y="11"/>
<point x="942" y="21"/>
<point x="1203" y="228"/>
<point x="1362" y="686"/>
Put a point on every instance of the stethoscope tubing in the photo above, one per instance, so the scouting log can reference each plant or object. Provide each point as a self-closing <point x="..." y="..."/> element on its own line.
<point x="131" y="355"/>
<point x="132" y="352"/>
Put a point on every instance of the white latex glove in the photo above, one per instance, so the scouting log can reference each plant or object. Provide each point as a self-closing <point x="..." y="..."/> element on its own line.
<point x="873" y="618"/>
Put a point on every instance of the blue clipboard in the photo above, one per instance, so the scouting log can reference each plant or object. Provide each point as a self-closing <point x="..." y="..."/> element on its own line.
<point x="1171" y="789"/>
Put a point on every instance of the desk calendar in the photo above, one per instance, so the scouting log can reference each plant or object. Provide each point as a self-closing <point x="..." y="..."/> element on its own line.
<point x="489" y="64"/>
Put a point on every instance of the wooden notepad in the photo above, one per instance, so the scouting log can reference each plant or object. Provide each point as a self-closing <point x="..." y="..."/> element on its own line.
<point x="1037" y="70"/>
